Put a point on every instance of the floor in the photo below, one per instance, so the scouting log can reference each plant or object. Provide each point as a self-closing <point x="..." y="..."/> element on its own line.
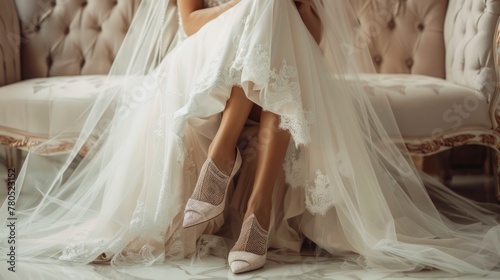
<point x="480" y="188"/>
<point x="216" y="268"/>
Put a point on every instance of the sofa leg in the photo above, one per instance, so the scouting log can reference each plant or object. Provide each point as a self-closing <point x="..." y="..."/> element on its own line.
<point x="13" y="158"/>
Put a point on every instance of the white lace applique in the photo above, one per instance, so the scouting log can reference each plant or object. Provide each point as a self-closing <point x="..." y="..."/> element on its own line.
<point x="280" y="88"/>
<point x="237" y="43"/>
<point x="81" y="251"/>
<point x="160" y="126"/>
<point x="84" y="252"/>
<point x="299" y="126"/>
<point x="189" y="163"/>
<point x="136" y="252"/>
<point x="256" y="61"/>
<point x="211" y="245"/>
<point x="144" y="225"/>
<point x="137" y="219"/>
<point x="215" y="75"/>
<point x="175" y="248"/>
<point x="292" y="167"/>
<point x="318" y="196"/>
<point x="162" y="211"/>
<point x="284" y="87"/>
<point x="146" y="237"/>
<point x="283" y="91"/>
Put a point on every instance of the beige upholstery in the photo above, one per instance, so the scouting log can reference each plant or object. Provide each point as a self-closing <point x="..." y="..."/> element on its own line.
<point x="404" y="37"/>
<point x="72" y="37"/>
<point x="468" y="33"/>
<point x="426" y="106"/>
<point x="27" y="106"/>
<point x="10" y="66"/>
<point x="456" y="41"/>
<point x="49" y="38"/>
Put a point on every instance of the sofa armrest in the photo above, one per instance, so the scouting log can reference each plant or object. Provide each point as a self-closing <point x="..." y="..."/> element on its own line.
<point x="470" y="28"/>
<point x="495" y="104"/>
<point x="10" y="38"/>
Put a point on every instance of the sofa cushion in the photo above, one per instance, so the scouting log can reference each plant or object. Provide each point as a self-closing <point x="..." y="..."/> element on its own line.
<point x="41" y="108"/>
<point x="425" y="106"/>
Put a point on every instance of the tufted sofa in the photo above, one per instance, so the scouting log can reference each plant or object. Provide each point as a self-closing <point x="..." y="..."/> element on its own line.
<point x="440" y="61"/>
<point x="49" y="48"/>
<point x="438" y="58"/>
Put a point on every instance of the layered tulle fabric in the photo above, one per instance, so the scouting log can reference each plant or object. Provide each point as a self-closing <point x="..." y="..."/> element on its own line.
<point x="345" y="185"/>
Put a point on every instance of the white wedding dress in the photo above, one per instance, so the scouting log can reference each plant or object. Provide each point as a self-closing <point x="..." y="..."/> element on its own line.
<point x="345" y="185"/>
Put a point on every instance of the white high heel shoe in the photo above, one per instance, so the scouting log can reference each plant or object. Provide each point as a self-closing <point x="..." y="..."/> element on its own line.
<point x="209" y="196"/>
<point x="250" y="251"/>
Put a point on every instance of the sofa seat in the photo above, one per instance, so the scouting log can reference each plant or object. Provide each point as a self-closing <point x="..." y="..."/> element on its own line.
<point x="424" y="105"/>
<point x="38" y="109"/>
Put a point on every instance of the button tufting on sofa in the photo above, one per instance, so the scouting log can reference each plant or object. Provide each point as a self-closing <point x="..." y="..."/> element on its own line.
<point x="409" y="62"/>
<point x="391" y="24"/>
<point x="457" y="50"/>
<point x="400" y="32"/>
<point x="49" y="61"/>
<point x="76" y="29"/>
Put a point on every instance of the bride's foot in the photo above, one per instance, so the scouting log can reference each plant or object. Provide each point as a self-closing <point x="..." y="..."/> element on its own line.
<point x="249" y="252"/>
<point x="209" y="196"/>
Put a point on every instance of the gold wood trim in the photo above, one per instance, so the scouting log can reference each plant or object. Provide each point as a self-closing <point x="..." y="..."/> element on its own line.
<point x="429" y="146"/>
<point x="40" y="147"/>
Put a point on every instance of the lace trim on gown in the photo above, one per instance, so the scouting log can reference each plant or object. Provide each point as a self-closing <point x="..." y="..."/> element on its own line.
<point x="280" y="93"/>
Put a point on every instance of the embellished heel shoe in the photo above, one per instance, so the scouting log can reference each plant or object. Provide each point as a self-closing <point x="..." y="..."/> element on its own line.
<point x="249" y="252"/>
<point x="209" y="197"/>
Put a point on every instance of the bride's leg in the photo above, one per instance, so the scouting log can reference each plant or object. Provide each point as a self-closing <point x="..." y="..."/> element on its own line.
<point x="209" y="195"/>
<point x="250" y="250"/>
<point x="234" y="116"/>
<point x="273" y="144"/>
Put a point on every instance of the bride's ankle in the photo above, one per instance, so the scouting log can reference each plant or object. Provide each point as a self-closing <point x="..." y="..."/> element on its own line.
<point x="223" y="157"/>
<point x="263" y="215"/>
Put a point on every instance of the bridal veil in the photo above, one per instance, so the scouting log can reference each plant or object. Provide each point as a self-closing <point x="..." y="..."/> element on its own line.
<point x="119" y="194"/>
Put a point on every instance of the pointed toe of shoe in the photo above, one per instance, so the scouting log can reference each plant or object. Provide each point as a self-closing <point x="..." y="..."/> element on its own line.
<point x="240" y="267"/>
<point x="192" y="218"/>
